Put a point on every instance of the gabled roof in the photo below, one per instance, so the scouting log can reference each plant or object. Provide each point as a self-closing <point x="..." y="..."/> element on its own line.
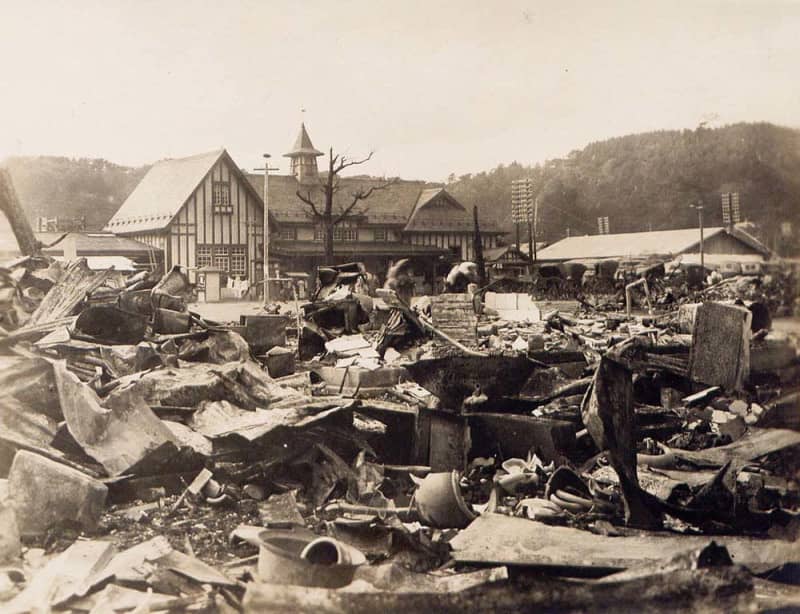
<point x="748" y="239"/>
<point x="429" y="214"/>
<point x="390" y="206"/>
<point x="660" y="242"/>
<point x="491" y="254"/>
<point x="165" y="189"/>
<point x="303" y="145"/>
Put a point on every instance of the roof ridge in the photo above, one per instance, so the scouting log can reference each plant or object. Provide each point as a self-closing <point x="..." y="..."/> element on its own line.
<point x="216" y="152"/>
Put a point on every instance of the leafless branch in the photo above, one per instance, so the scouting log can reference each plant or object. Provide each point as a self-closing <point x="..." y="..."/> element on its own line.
<point x="344" y="162"/>
<point x="307" y="199"/>
<point x="362" y="195"/>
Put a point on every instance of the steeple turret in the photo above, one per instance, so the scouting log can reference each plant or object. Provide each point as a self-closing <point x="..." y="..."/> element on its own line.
<point x="303" y="157"/>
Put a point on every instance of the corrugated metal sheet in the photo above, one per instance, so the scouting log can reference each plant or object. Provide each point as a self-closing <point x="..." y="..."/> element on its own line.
<point x="101" y="263"/>
<point x="93" y="244"/>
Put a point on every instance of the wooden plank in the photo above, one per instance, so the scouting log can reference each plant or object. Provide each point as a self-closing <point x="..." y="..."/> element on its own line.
<point x="755" y="443"/>
<point x="720" y="354"/>
<point x="448" y="442"/>
<point x="495" y="539"/>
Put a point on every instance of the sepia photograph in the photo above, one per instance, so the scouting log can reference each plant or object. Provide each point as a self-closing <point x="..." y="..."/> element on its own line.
<point x="373" y="306"/>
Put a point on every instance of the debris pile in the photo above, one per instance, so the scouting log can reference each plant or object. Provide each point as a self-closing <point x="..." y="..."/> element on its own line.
<point x="366" y="452"/>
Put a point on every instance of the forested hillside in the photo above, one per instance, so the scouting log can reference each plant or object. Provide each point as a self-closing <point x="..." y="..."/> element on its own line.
<point x="54" y="186"/>
<point x="644" y="181"/>
<point x="639" y="181"/>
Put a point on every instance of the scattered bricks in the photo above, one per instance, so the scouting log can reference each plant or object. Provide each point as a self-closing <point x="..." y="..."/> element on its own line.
<point x="738" y="407"/>
<point x="47" y="494"/>
<point x="727" y="423"/>
<point x="536" y="343"/>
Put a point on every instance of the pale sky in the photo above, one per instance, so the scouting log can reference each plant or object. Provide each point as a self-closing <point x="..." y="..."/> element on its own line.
<point x="433" y="87"/>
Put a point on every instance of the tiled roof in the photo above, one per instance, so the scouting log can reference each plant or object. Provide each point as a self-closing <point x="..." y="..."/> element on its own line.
<point x="429" y="214"/>
<point x="632" y="244"/>
<point x="391" y="206"/>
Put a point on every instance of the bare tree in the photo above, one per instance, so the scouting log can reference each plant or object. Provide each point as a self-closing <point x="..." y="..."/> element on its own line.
<point x="323" y="214"/>
<point x="9" y="204"/>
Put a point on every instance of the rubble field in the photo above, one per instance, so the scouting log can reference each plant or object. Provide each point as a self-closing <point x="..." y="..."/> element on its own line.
<point x="367" y="451"/>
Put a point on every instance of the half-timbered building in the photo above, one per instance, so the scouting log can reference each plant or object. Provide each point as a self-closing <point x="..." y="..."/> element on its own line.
<point x="408" y="219"/>
<point x="200" y="211"/>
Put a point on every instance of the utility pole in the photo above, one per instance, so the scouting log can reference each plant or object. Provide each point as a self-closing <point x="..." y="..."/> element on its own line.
<point x="531" y="248"/>
<point x="699" y="207"/>
<point x="535" y="222"/>
<point x="522" y="210"/>
<point x="266" y="170"/>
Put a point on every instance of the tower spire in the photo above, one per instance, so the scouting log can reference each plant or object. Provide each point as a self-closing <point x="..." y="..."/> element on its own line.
<point x="303" y="157"/>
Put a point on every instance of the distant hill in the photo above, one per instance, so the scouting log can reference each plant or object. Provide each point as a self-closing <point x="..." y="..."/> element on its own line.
<point x="639" y="181"/>
<point x="53" y="186"/>
<point x="644" y="181"/>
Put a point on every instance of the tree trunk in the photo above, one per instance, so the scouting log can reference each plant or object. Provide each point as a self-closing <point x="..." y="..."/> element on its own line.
<point x="328" y="240"/>
<point x="16" y="216"/>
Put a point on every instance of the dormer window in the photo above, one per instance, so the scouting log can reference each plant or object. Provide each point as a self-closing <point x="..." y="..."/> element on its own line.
<point x="222" y="197"/>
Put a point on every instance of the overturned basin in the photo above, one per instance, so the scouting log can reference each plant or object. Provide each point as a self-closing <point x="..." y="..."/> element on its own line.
<point x="284" y="558"/>
<point x="439" y="502"/>
<point x="454" y="378"/>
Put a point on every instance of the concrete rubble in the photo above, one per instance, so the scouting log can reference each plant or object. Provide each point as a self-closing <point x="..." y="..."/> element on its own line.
<point x="478" y="451"/>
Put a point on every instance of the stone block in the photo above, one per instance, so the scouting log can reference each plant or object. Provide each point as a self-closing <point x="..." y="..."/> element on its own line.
<point x="46" y="494"/>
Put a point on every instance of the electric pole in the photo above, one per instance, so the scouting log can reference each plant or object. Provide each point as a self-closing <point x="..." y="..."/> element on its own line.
<point x="266" y="170"/>
<point x="699" y="207"/>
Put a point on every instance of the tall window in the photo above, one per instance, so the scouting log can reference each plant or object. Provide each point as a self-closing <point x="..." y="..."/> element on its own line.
<point x="230" y="258"/>
<point x="380" y="234"/>
<point x="221" y="258"/>
<point x="203" y="256"/>
<point x="222" y="197"/>
<point x="238" y="260"/>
